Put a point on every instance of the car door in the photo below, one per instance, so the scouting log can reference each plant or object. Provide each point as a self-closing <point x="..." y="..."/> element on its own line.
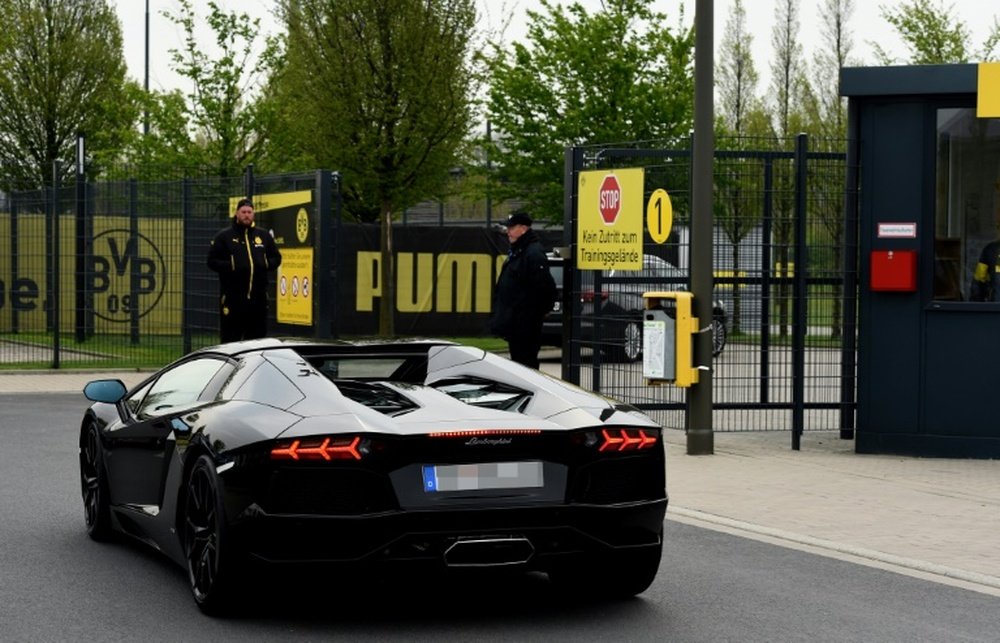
<point x="139" y="449"/>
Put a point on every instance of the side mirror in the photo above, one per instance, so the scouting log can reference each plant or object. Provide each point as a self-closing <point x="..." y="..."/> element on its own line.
<point x="107" y="391"/>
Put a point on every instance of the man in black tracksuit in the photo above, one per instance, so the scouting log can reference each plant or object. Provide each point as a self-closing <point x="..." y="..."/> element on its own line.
<point x="243" y="255"/>
<point x="524" y="293"/>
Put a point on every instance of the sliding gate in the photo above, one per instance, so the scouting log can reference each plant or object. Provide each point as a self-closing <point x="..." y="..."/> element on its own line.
<point x="785" y="285"/>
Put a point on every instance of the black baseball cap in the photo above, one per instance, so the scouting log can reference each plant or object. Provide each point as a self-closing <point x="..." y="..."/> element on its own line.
<point x="519" y="218"/>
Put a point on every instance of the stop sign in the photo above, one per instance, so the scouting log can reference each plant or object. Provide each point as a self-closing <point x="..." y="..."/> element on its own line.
<point x="610" y="199"/>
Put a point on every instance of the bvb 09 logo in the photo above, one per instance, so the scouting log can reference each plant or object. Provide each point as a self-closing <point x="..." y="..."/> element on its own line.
<point x="127" y="274"/>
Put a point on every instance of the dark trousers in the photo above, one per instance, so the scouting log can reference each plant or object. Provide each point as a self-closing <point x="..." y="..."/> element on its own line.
<point x="524" y="348"/>
<point x="244" y="320"/>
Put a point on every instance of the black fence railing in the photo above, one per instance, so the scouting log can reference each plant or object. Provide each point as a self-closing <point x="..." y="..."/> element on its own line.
<point x="785" y="281"/>
<point x="112" y="274"/>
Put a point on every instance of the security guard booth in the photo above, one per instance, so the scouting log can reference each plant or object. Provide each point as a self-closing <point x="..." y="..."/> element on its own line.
<point x="925" y="156"/>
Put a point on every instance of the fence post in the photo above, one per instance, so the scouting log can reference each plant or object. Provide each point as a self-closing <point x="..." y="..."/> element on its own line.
<point x="15" y="324"/>
<point x="54" y="289"/>
<point x="83" y="244"/>
<point x="572" y="163"/>
<point x="799" y="294"/>
<point x="325" y="244"/>
<point x="188" y="279"/>
<point x="133" y="240"/>
<point x="489" y="177"/>
<point x="766" y="275"/>
<point x="248" y="182"/>
<point x="848" y="350"/>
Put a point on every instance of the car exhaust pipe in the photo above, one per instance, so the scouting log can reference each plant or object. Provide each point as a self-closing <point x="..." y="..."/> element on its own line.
<point x="489" y="552"/>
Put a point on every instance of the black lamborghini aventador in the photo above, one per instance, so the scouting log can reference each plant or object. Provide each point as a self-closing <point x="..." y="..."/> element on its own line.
<point x="371" y="456"/>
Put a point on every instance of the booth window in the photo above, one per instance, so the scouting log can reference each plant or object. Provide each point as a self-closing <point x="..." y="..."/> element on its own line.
<point x="967" y="208"/>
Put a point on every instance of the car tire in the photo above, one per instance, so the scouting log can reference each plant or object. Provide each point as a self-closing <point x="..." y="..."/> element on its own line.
<point x="211" y="563"/>
<point x="94" y="486"/>
<point x="619" y="576"/>
<point x="718" y="335"/>
<point x="627" y="343"/>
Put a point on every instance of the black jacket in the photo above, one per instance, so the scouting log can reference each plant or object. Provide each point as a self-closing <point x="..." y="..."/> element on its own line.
<point x="525" y="290"/>
<point x="243" y="256"/>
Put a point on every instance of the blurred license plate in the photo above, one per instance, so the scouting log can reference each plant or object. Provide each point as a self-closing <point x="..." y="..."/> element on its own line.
<point x="474" y="477"/>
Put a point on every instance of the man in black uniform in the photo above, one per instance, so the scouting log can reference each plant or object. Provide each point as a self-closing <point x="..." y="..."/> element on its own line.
<point x="243" y="255"/>
<point x="986" y="279"/>
<point x="524" y="293"/>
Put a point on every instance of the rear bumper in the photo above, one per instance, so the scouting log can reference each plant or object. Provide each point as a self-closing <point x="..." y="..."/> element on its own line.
<point x="550" y="534"/>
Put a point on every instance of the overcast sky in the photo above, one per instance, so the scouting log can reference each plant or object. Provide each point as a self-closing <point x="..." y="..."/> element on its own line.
<point x="866" y="26"/>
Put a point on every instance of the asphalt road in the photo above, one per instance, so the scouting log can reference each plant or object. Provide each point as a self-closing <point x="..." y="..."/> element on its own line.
<point x="58" y="585"/>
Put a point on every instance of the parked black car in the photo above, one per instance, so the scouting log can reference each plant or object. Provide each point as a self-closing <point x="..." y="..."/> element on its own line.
<point x="621" y="304"/>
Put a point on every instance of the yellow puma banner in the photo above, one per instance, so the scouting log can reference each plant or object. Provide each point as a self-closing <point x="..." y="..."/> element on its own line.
<point x="988" y="104"/>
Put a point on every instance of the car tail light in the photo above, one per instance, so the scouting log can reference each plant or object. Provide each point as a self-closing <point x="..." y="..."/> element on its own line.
<point x="327" y="448"/>
<point x="588" y="296"/>
<point x="628" y="439"/>
<point x="621" y="440"/>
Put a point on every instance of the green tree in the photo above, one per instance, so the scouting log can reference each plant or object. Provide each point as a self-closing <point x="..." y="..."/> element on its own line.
<point x="612" y="76"/>
<point x="933" y="35"/>
<point x="833" y="55"/>
<point x="62" y="73"/>
<point x="164" y="147"/>
<point x="828" y="120"/>
<point x="738" y="181"/>
<point x="382" y="92"/>
<point x="787" y="77"/>
<point x="228" y="126"/>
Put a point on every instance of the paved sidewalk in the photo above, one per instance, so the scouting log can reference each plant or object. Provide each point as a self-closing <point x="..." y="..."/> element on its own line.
<point x="932" y="518"/>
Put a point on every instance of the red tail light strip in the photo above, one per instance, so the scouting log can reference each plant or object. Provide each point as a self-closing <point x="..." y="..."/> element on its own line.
<point x="326" y="450"/>
<point x="481" y="432"/>
<point x="626" y="440"/>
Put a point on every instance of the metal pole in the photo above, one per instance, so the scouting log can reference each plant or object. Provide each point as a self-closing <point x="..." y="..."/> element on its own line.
<point x="187" y="216"/>
<point x="700" y="438"/>
<point x="799" y="293"/>
<point x="848" y="351"/>
<point x="83" y="245"/>
<point x="248" y="182"/>
<point x="145" y="112"/>
<point x="572" y="164"/>
<point x="489" y="174"/>
<point x="133" y="245"/>
<point x="55" y="292"/>
<point x="324" y="245"/>
<point x="338" y="213"/>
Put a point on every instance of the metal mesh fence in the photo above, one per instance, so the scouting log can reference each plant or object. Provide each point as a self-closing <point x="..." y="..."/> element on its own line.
<point x="784" y="269"/>
<point x="113" y="273"/>
<point x="90" y="278"/>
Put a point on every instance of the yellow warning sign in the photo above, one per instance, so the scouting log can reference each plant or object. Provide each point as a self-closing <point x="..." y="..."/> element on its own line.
<point x="295" y="287"/>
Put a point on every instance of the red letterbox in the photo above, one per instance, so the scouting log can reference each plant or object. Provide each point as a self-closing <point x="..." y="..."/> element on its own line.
<point x="894" y="270"/>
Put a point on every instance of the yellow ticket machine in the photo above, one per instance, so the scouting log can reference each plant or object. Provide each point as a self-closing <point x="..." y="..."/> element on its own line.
<point x="668" y="331"/>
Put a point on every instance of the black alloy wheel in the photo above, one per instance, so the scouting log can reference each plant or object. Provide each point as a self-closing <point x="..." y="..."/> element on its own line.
<point x="210" y="565"/>
<point x="633" y="341"/>
<point x="718" y="334"/>
<point x="625" y="344"/>
<point x="94" y="486"/>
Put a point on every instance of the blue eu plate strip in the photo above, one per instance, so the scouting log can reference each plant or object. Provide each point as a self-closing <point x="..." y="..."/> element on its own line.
<point x="430" y="478"/>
